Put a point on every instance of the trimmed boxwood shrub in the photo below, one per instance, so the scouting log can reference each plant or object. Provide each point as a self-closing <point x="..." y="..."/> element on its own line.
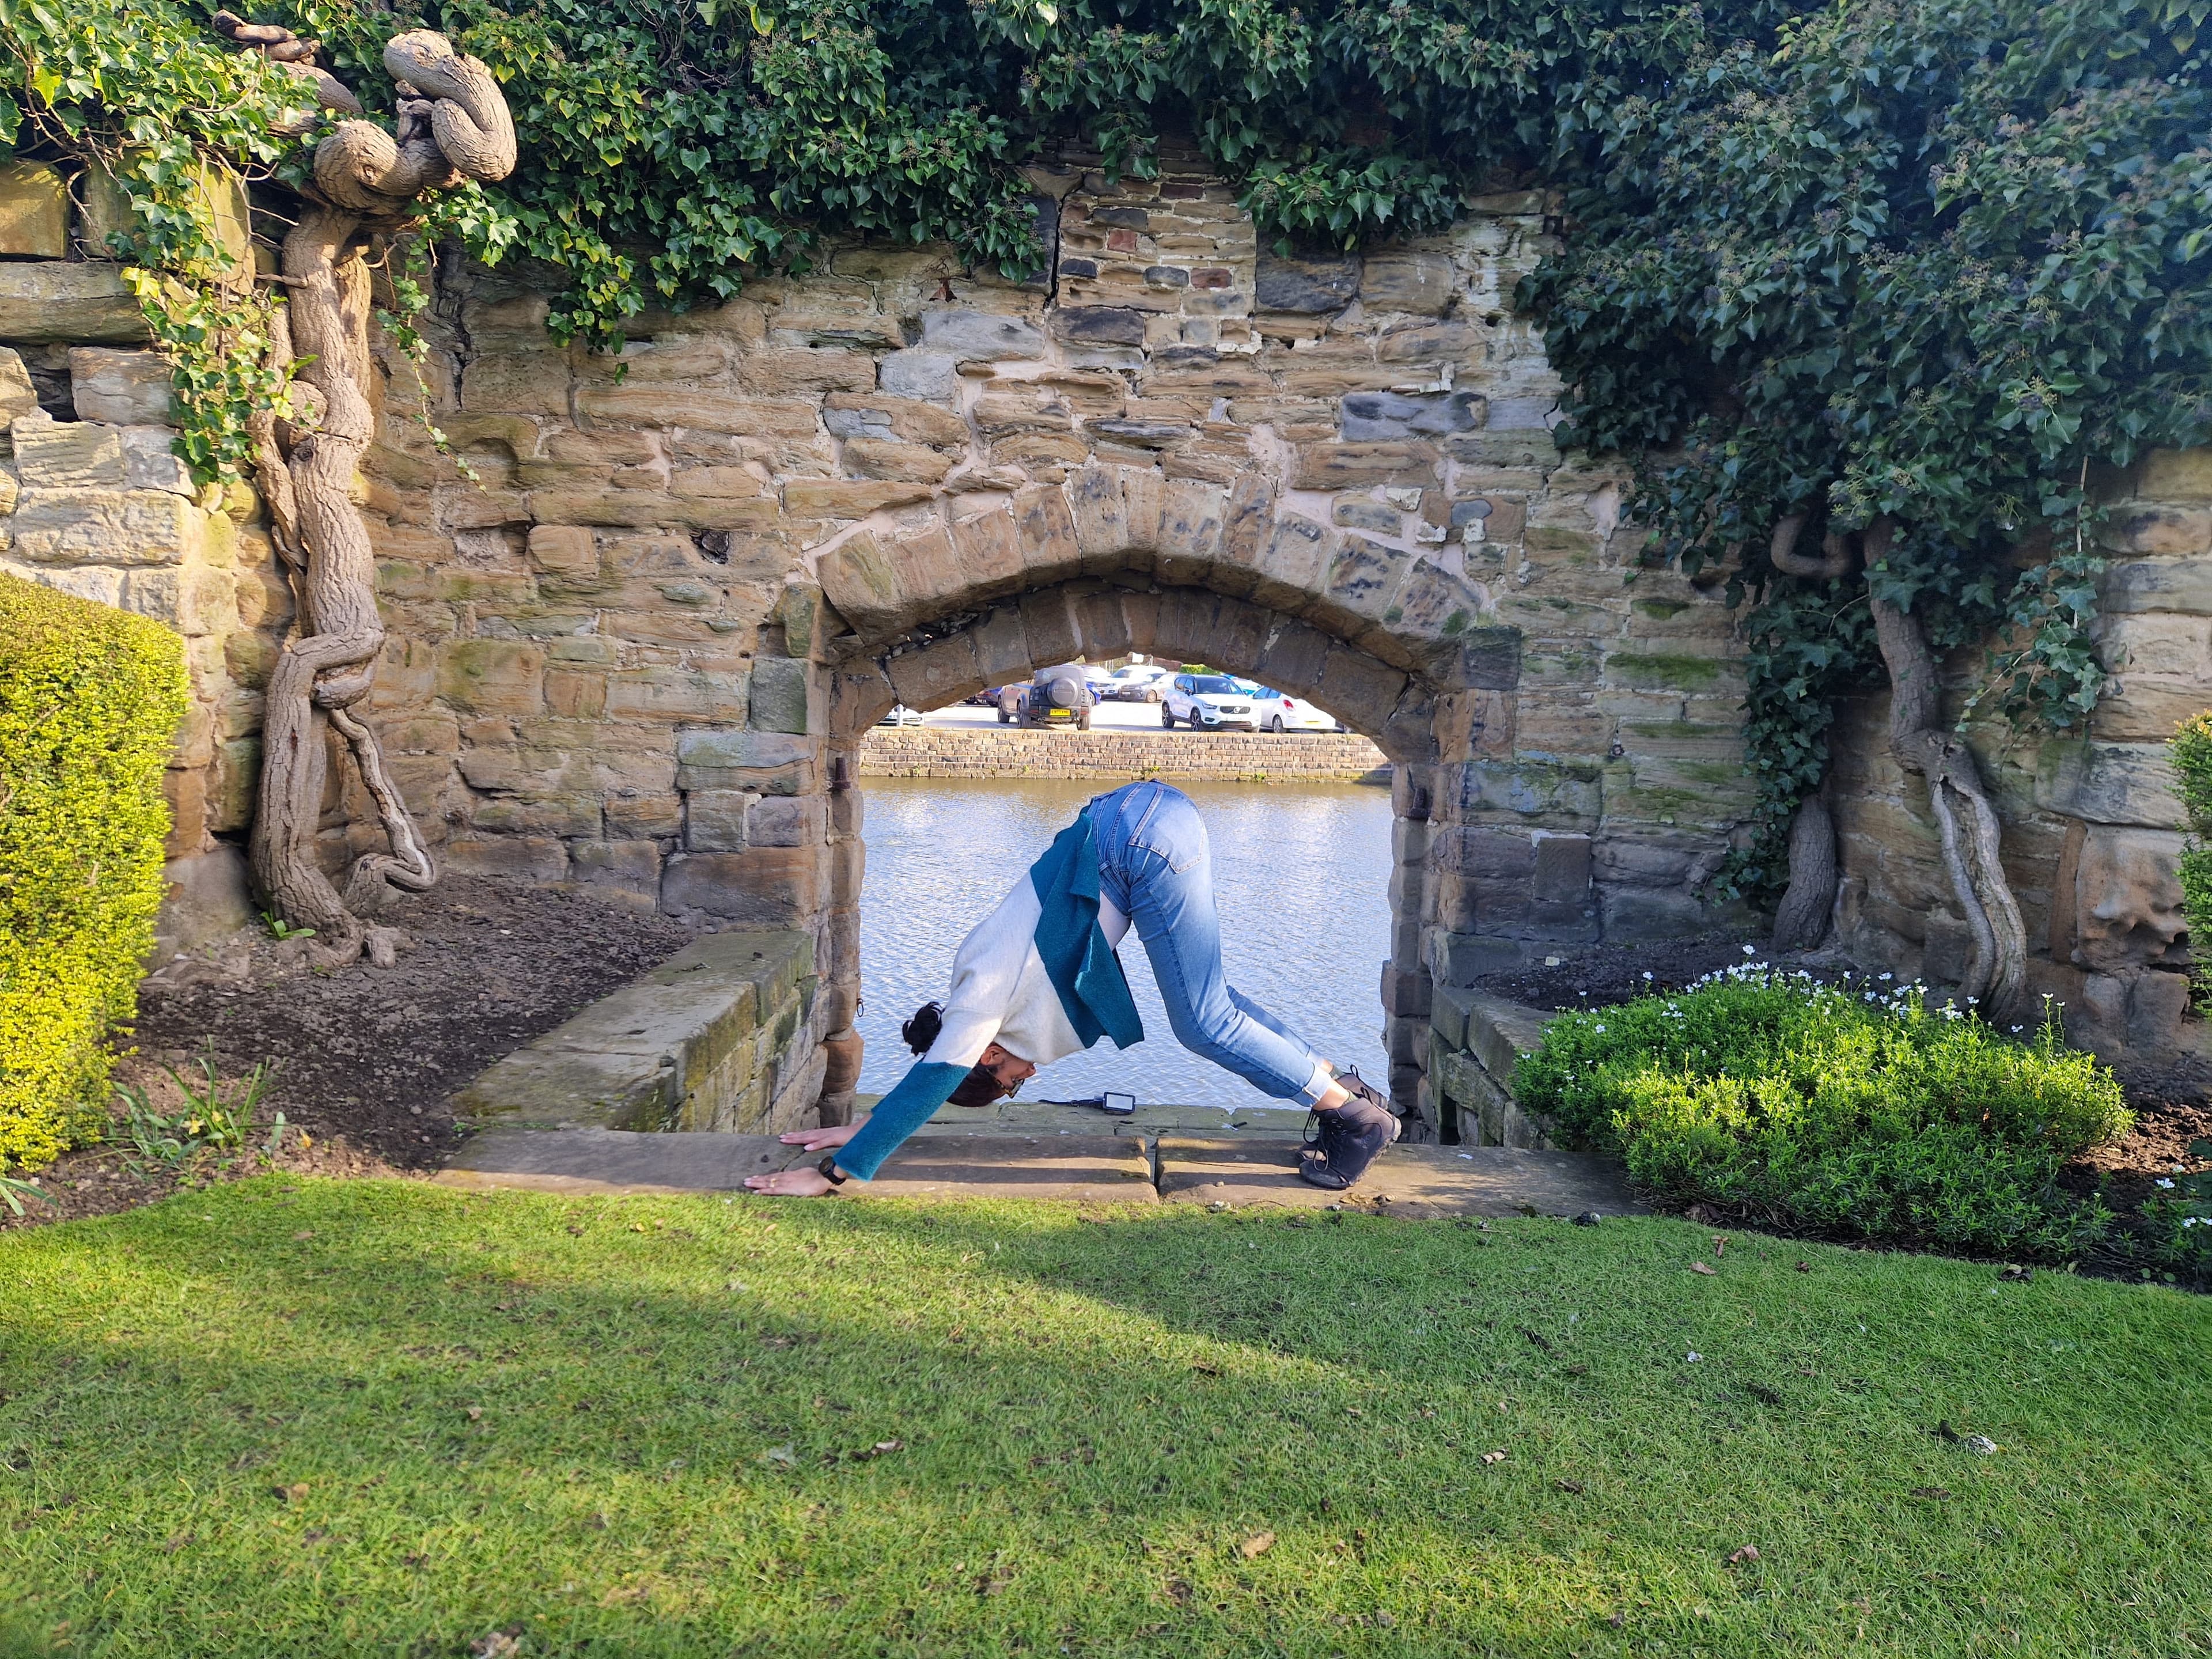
<point x="1843" y="1111"/>
<point x="2191" y="751"/>
<point x="89" y="702"/>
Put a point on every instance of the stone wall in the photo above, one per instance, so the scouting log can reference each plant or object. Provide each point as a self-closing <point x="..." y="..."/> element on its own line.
<point x="640" y="649"/>
<point x="936" y="751"/>
<point x="2093" y="828"/>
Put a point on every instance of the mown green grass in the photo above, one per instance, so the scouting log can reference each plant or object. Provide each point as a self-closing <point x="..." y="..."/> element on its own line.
<point x="1094" y="1415"/>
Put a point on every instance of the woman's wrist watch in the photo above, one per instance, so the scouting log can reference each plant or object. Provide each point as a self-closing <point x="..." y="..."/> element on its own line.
<point x="829" y="1167"/>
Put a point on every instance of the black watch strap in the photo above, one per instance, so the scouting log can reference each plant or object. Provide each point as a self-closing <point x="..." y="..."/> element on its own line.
<point x="829" y="1167"/>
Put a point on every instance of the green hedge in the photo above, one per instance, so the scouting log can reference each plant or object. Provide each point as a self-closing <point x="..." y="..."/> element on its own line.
<point x="2191" y="749"/>
<point x="90" y="699"/>
<point x="1842" y="1111"/>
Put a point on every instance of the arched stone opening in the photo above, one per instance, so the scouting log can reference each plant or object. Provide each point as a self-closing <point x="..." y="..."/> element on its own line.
<point x="1249" y="576"/>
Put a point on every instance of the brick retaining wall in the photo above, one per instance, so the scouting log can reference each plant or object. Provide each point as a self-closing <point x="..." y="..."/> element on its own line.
<point x="1253" y="757"/>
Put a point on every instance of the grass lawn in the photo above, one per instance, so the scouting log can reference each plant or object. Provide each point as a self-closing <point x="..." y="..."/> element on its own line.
<point x="652" y="1426"/>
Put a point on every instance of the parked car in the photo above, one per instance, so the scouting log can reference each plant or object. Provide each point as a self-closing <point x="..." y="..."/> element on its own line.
<point x="1140" y="682"/>
<point x="1055" y="696"/>
<point x="901" y="715"/>
<point x="987" y="698"/>
<point x="1279" y="711"/>
<point x="1210" y="700"/>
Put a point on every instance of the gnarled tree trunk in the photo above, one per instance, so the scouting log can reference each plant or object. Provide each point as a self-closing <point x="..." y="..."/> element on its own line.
<point x="452" y="123"/>
<point x="1997" y="979"/>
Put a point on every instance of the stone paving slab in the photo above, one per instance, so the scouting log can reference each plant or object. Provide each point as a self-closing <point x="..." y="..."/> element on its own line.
<point x="1405" y="1181"/>
<point x="613" y="1161"/>
<point x="1035" y="1117"/>
<point x="1080" y="1168"/>
<point x="1077" y="1169"/>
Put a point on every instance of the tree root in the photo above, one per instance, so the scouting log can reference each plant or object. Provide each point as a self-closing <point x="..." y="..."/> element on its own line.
<point x="1997" y="979"/>
<point x="452" y="124"/>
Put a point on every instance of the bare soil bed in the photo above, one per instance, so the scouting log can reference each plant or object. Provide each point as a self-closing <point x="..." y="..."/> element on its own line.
<point x="364" y="1058"/>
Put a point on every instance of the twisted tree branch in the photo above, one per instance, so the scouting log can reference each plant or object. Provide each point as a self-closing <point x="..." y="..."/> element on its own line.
<point x="452" y="124"/>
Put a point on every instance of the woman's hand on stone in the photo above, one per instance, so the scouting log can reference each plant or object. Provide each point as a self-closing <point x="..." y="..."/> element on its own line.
<point x="821" y="1140"/>
<point x="806" y="1181"/>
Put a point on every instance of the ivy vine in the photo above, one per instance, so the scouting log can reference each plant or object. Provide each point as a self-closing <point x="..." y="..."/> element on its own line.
<point x="1941" y="262"/>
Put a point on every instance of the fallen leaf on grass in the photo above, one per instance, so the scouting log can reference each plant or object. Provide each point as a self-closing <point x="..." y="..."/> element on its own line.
<point x="306" y="1233"/>
<point x="1804" y="1266"/>
<point x="1748" y="1552"/>
<point x="1703" y="1268"/>
<point x="1720" y="1244"/>
<point x="176" y="1543"/>
<point x="2017" y="1275"/>
<point x="499" y="1644"/>
<point x="995" y="1580"/>
<point x="1577" y="1370"/>
<point x="784" y="1455"/>
<point x="476" y="1414"/>
<point x="1566" y="1484"/>
<point x="1257" y="1545"/>
<point x="1537" y="1338"/>
<point x="1933" y="1494"/>
<point x="292" y="1494"/>
<point x="881" y="1448"/>
<point x="1208" y="1370"/>
<point x="1493" y="1457"/>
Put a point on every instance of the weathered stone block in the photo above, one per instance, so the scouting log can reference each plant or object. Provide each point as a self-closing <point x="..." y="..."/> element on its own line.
<point x="539" y="859"/>
<point x="106" y="526"/>
<point x="2158" y="530"/>
<point x="779" y="696"/>
<point x="716" y="820"/>
<point x="564" y="550"/>
<point x="2128" y="898"/>
<point x="1306" y="287"/>
<point x="974" y="336"/>
<point x="1098" y="325"/>
<point x="1358" y="466"/>
<point x="34" y="211"/>
<point x="893" y="462"/>
<point x="629" y="867"/>
<point x="2109" y="783"/>
<point x="1044" y="531"/>
<point x="1370" y="415"/>
<point x="1419" y="283"/>
<point x="53" y="454"/>
<point x="942" y="671"/>
<point x="918" y="373"/>
<point x="751" y="751"/>
<point x="81" y="303"/>
<point x="125" y="388"/>
<point x="798" y="821"/>
<point x="672" y="693"/>
<point x="859" y="581"/>
<point x="492" y="677"/>
<point x="2171" y="475"/>
<point x="2168" y="584"/>
<point x="762" y="887"/>
<point x="823" y="498"/>
<point x="150" y="462"/>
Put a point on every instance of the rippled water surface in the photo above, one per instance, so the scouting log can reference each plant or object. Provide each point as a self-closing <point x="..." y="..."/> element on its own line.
<point x="1301" y="872"/>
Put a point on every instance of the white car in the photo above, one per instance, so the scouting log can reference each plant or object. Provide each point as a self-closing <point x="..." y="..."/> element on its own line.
<point x="1208" y="700"/>
<point x="1140" y="682"/>
<point x="1279" y="711"/>
<point x="902" y="715"/>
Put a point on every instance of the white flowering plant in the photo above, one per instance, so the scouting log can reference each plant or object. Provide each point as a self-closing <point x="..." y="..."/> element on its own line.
<point x="2175" y="1228"/>
<point x="1850" y="1110"/>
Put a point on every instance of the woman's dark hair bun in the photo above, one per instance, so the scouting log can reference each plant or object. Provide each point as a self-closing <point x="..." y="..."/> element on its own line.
<point x="921" y="1031"/>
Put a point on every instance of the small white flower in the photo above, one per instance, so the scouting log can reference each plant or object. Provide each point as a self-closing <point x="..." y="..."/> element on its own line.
<point x="1751" y="949"/>
<point x="1647" y="973"/>
<point x="2164" y="1183"/>
<point x="1694" y="1357"/>
<point x="1601" y="1028"/>
<point x="1884" y="977"/>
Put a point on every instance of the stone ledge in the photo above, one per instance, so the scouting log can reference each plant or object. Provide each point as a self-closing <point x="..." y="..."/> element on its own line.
<point x="1474" y="1043"/>
<point x="687" y="1046"/>
<point x="1415" y="1182"/>
<point x="1256" y="757"/>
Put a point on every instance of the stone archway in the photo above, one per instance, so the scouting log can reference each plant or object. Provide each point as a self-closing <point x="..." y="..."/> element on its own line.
<point x="1121" y="559"/>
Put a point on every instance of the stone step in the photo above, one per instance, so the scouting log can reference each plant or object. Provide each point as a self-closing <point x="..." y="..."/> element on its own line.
<point x="1413" y="1182"/>
<point x="1147" y="1122"/>
<point x="1090" y="1169"/>
<point x="688" y="1045"/>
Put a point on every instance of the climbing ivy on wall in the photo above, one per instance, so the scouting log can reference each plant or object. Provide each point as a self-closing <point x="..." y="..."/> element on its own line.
<point x="1927" y="263"/>
<point x="1938" y="263"/>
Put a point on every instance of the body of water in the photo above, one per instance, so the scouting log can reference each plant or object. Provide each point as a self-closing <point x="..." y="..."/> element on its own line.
<point x="1301" y="873"/>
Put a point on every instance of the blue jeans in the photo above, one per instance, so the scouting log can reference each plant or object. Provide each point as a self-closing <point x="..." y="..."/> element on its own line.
<point x="1155" y="865"/>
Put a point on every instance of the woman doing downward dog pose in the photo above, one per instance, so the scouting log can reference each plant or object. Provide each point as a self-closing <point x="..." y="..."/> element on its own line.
<point x="1038" y="979"/>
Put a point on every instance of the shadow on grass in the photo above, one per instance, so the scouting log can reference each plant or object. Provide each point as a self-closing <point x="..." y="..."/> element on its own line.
<point x="679" y="1426"/>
